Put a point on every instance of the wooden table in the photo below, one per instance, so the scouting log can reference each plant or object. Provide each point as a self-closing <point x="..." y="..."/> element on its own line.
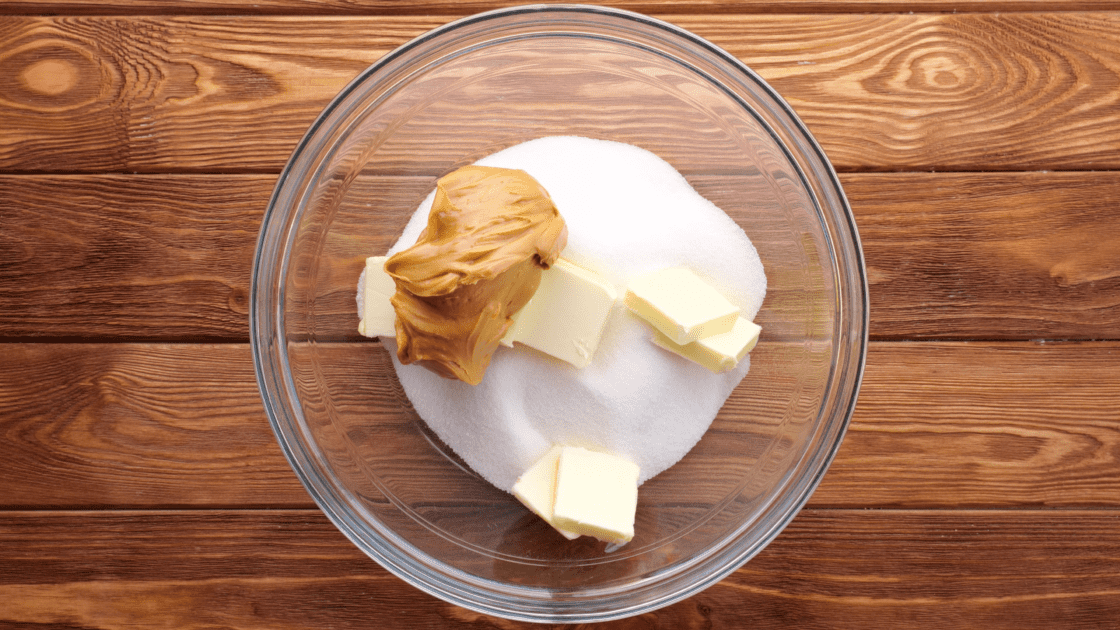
<point x="978" y="486"/>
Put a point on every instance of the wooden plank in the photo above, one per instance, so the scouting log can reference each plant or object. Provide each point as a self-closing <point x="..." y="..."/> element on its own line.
<point x="128" y="257"/>
<point x="466" y="7"/>
<point x="138" y="425"/>
<point x="982" y="424"/>
<point x="829" y="568"/>
<point x="990" y="256"/>
<point x="949" y="256"/>
<point x="961" y="92"/>
<point x="978" y="91"/>
<point x="164" y="257"/>
<point x="173" y="94"/>
<point x="931" y="569"/>
<point x="937" y="425"/>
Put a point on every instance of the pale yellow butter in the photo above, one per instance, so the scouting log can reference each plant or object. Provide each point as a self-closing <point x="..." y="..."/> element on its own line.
<point x="596" y="494"/>
<point x="718" y="353"/>
<point x="566" y="316"/>
<point x="536" y="488"/>
<point x="681" y="305"/>
<point x="378" y="316"/>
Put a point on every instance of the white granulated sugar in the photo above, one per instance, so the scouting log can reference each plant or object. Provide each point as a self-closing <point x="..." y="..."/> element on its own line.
<point x="628" y="212"/>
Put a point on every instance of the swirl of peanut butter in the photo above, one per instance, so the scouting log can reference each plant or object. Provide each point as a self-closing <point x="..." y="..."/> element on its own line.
<point x="490" y="234"/>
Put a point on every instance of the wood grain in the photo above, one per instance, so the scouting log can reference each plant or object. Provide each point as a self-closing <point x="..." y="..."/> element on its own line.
<point x="138" y="425"/>
<point x="169" y="257"/>
<point x="937" y="425"/>
<point x="1028" y="256"/>
<point x="176" y="94"/>
<point x="828" y="569"/>
<point x="881" y="92"/>
<point x="981" y="425"/>
<point x="128" y="257"/>
<point x="963" y="92"/>
<point x="466" y="7"/>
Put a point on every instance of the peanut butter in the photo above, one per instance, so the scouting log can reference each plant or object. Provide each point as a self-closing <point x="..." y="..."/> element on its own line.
<point x="490" y="234"/>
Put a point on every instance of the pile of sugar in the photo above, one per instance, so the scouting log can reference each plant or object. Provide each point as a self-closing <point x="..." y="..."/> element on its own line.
<point x="628" y="212"/>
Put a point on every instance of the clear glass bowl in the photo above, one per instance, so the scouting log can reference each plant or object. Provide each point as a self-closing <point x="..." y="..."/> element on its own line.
<point x="459" y="93"/>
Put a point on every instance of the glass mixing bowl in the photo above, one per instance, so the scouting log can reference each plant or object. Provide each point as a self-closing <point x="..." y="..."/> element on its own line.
<point x="455" y="95"/>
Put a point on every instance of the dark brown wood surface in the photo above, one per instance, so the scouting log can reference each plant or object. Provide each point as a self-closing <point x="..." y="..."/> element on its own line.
<point x="979" y="483"/>
<point x="935" y="91"/>
<point x="997" y="569"/>
<point x="467" y="7"/>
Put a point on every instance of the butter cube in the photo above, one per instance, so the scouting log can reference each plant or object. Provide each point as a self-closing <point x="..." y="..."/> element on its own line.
<point x="680" y="305"/>
<point x="378" y="315"/>
<point x="536" y="488"/>
<point x="596" y="495"/>
<point x="566" y="316"/>
<point x="718" y="353"/>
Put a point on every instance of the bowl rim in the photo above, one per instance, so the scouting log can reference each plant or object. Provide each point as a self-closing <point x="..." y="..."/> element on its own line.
<point x="452" y="585"/>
